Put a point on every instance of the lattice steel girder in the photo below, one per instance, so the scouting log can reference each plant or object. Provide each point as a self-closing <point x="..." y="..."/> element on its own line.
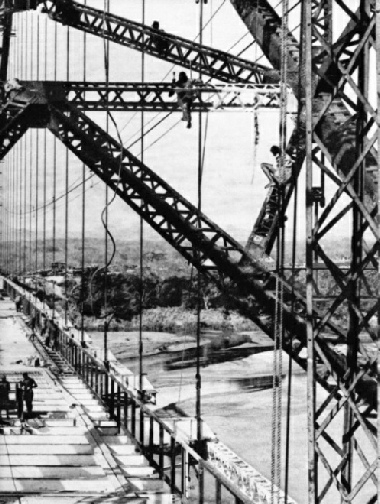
<point x="198" y="239"/>
<point x="132" y="96"/>
<point x="335" y="128"/>
<point x="188" y="54"/>
<point x="357" y="448"/>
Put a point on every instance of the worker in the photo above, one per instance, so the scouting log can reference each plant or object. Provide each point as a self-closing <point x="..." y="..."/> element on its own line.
<point x="157" y="39"/>
<point x="12" y="88"/>
<point x="282" y="176"/>
<point x="65" y="12"/>
<point x="5" y="388"/>
<point x="27" y="385"/>
<point x="185" y="95"/>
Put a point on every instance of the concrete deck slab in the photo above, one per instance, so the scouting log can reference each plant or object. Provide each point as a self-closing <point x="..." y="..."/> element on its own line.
<point x="138" y="472"/>
<point x="28" y="472"/>
<point x="65" y="431"/>
<point x="127" y="449"/>
<point x="33" y="486"/>
<point x="50" y="449"/>
<point x="54" y="439"/>
<point x="81" y="499"/>
<point x="46" y="460"/>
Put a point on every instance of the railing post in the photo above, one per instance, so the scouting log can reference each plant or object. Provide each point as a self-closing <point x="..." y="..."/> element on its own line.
<point x="151" y="438"/>
<point x="172" y="463"/>
<point x="125" y="410"/>
<point x="112" y="398"/>
<point x="218" y="492"/>
<point x="96" y="371"/>
<point x="133" y="419"/>
<point x="201" y="483"/>
<point x="91" y="370"/>
<point x="86" y="372"/>
<point x="185" y="473"/>
<point x="161" y="450"/>
<point x="141" y="429"/>
<point x="101" y="375"/>
<point x="118" y="416"/>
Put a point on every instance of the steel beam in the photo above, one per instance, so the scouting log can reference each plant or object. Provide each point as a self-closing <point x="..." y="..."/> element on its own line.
<point x="157" y="96"/>
<point x="154" y="96"/>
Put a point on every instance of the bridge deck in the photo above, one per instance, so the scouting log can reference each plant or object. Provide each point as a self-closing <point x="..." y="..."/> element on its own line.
<point x="67" y="451"/>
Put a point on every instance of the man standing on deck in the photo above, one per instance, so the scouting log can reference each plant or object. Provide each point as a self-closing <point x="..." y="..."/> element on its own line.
<point x="27" y="385"/>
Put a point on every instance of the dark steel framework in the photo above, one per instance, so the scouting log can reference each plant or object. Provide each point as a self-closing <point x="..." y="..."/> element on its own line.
<point x="337" y="134"/>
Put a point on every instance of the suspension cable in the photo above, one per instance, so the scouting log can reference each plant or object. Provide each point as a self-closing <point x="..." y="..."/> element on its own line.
<point x="37" y="148"/>
<point x="198" y="378"/>
<point x="30" y="149"/>
<point x="141" y="272"/>
<point x="25" y="69"/>
<point x="83" y="225"/>
<point x="55" y="163"/>
<point x="44" y="166"/>
<point x="67" y="184"/>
